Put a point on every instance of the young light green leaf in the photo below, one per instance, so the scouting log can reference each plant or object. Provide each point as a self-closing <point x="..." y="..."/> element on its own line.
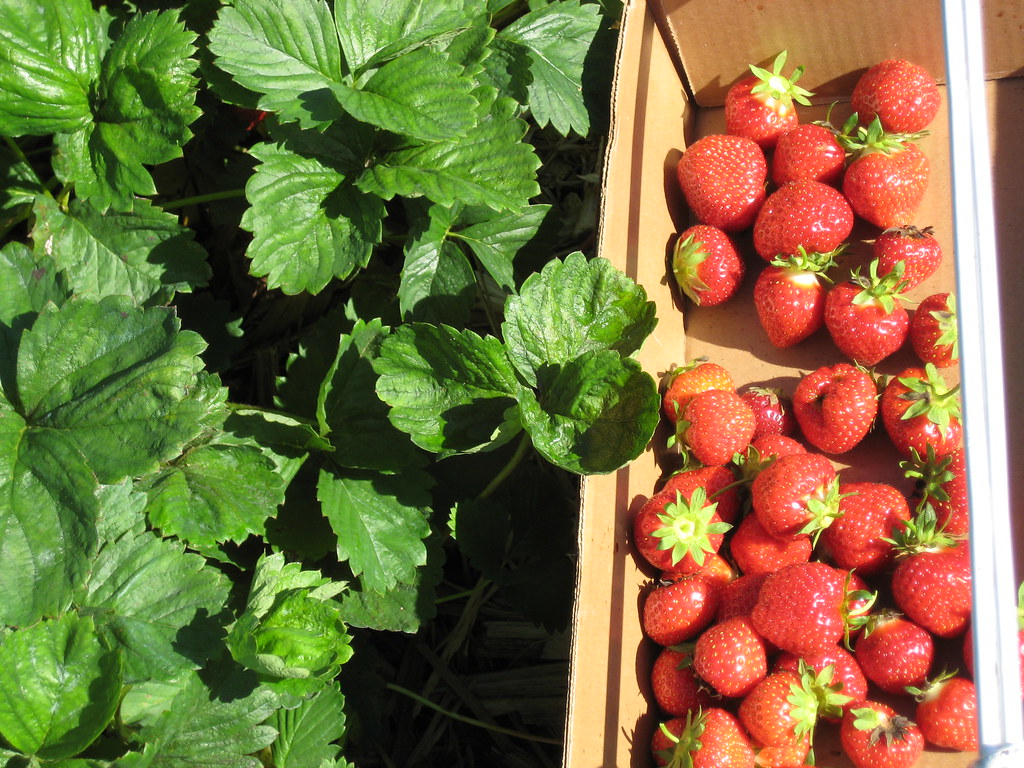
<point x="558" y="36"/>
<point x="145" y="254"/>
<point x="422" y="94"/>
<point x="310" y="733"/>
<point x="138" y="121"/>
<point x="451" y="391"/>
<point x="161" y="605"/>
<point x="59" y="687"/>
<point x="353" y="417"/>
<point x="50" y="52"/>
<point x="574" y="307"/>
<point x="287" y="52"/>
<point x="438" y="282"/>
<point x="309" y="224"/>
<point x="118" y="382"/>
<point x="497" y="238"/>
<point x="381" y="521"/>
<point x="214" y="493"/>
<point x="491" y="165"/>
<point x="594" y="414"/>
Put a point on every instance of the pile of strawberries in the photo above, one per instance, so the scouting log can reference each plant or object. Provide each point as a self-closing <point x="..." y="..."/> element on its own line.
<point x="787" y="596"/>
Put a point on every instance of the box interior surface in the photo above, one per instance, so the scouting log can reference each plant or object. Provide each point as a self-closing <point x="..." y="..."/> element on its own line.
<point x="665" y="98"/>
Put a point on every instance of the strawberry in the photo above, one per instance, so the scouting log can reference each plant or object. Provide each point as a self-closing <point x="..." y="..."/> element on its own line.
<point x="900" y="94"/>
<point x="918" y="249"/>
<point x="717" y="570"/>
<point x="676" y="688"/>
<point x="739" y="597"/>
<point x="675" y="530"/>
<point x="730" y="656"/>
<point x="761" y="106"/>
<point x="796" y="494"/>
<point x="757" y="551"/>
<point x="716" y="425"/>
<point x="711" y="738"/>
<point x="874" y="736"/>
<point x="865" y="315"/>
<point x="932" y="580"/>
<point x="947" y="712"/>
<point x="802" y="214"/>
<point x="920" y="412"/>
<point x="933" y="331"/>
<point x="968" y="647"/>
<point x="789" y="296"/>
<point x="783" y="755"/>
<point x="706" y="265"/>
<point x="719" y="485"/>
<point x="942" y="484"/>
<point x="869" y="513"/>
<point x="808" y="151"/>
<point x="800" y="608"/>
<point x="785" y="706"/>
<point x="886" y="177"/>
<point x="687" y="381"/>
<point x="772" y="411"/>
<point x="676" y="612"/>
<point x="722" y="178"/>
<point x="847" y="676"/>
<point x="894" y="652"/>
<point x="836" y="406"/>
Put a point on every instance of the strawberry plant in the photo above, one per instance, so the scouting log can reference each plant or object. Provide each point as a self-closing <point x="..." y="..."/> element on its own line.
<point x="300" y="349"/>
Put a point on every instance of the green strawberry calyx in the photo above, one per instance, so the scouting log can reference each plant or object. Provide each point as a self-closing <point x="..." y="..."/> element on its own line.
<point x="921" y="533"/>
<point x="859" y="140"/>
<point x="881" y="725"/>
<point x="881" y="290"/>
<point x="684" y="744"/>
<point x="774" y="85"/>
<point x="686" y="525"/>
<point x="823" y="509"/>
<point x="813" y="262"/>
<point x="930" y="397"/>
<point x="930" y="474"/>
<point x="687" y="256"/>
<point x="949" y="335"/>
<point x="815" y="696"/>
<point x="877" y="619"/>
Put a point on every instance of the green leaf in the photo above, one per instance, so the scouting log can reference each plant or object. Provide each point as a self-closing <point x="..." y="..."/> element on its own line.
<point x="306" y="735"/>
<point x="558" y="36"/>
<point x="161" y="605"/>
<point x="351" y="414"/>
<point x="214" y="493"/>
<point x="422" y="94"/>
<point x="438" y="282"/>
<point x="572" y="308"/>
<point x="507" y="68"/>
<point x="118" y="382"/>
<point x="50" y="52"/>
<point x="19" y="186"/>
<point x="59" y="687"/>
<point x="593" y="414"/>
<point x="491" y="165"/>
<point x="145" y="254"/>
<point x="145" y="102"/>
<point x="309" y="224"/>
<point x="27" y="283"/>
<point x="285" y="440"/>
<point x="450" y="391"/>
<point x="496" y="239"/>
<point x="288" y="52"/>
<point x="380" y="521"/>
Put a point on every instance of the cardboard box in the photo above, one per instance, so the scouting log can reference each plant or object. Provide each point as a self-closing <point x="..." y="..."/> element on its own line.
<point x="676" y="59"/>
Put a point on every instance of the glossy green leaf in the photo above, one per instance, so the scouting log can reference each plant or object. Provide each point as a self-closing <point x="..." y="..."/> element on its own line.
<point x="438" y="282"/>
<point x="59" y="687"/>
<point x="496" y="239"/>
<point x="308" y="735"/>
<point x="27" y="283"/>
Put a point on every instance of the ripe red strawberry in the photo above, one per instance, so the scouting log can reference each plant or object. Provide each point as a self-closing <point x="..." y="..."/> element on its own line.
<point x="808" y="151"/>
<point x="675" y="530"/>
<point x="785" y="706"/>
<point x="886" y="177"/>
<point x="932" y="580"/>
<point x="874" y="736"/>
<point x="933" y="331"/>
<point x="739" y="597"/>
<point x="800" y="608"/>
<point x="783" y="755"/>
<point x="756" y="551"/>
<point x="901" y="94"/>
<point x="865" y="316"/>
<point x="730" y="656"/>
<point x="802" y="214"/>
<point x="789" y="296"/>
<point x="920" y="411"/>
<point x="723" y="180"/>
<point x="761" y="106"/>
<point x="796" y="494"/>
<point x="712" y="738"/>
<point x="836" y="406"/>
<point x="869" y="513"/>
<point x="719" y="484"/>
<point x="679" y="611"/>
<point x="772" y="411"/>
<point x="676" y="688"/>
<point x="706" y="265"/>
<point x="918" y="249"/>
<point x="942" y="483"/>
<point x="717" y="570"/>
<point x="716" y="425"/>
<point x="847" y="677"/>
<point x="947" y="713"/>
<point x="894" y="652"/>
<point x="687" y="381"/>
